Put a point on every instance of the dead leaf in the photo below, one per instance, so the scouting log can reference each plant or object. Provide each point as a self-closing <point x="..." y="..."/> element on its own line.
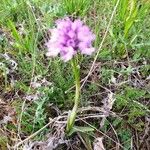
<point x="98" y="144"/>
<point x="107" y="106"/>
<point x="108" y="103"/>
<point x="7" y="113"/>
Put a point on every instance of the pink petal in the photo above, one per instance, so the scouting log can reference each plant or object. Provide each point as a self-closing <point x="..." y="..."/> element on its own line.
<point x="88" y="51"/>
<point x="53" y="49"/>
<point x="76" y="25"/>
<point x="71" y="34"/>
<point x="68" y="54"/>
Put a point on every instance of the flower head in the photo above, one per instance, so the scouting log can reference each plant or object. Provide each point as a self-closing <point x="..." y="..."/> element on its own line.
<point x="70" y="37"/>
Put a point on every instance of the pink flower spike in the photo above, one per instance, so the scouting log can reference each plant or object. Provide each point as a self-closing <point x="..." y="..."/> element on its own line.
<point x="69" y="38"/>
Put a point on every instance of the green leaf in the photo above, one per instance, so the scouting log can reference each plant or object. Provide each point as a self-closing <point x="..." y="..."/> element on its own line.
<point x="15" y="33"/>
<point x="80" y="129"/>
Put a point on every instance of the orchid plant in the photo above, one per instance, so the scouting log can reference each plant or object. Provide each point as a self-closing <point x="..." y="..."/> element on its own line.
<point x="68" y="39"/>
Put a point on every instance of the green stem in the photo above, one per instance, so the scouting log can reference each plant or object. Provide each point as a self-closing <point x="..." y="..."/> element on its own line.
<point x="72" y="115"/>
